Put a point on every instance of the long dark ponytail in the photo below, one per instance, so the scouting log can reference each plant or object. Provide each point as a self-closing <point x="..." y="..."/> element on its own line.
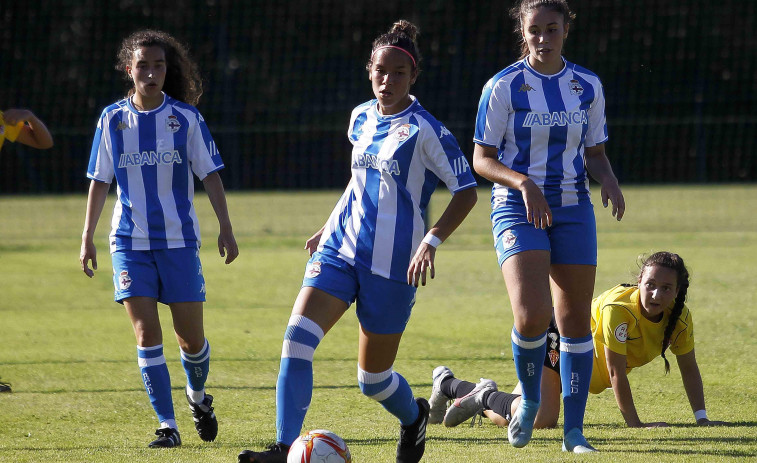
<point x="674" y="262"/>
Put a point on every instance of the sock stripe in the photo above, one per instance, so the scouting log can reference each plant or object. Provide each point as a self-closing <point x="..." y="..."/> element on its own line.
<point x="373" y="378"/>
<point x="576" y="345"/>
<point x="151" y="362"/>
<point x="378" y="386"/>
<point x="150" y="352"/>
<point x="307" y="325"/>
<point x="297" y="350"/>
<point x="147" y="350"/>
<point x="198" y="357"/>
<point x="528" y="343"/>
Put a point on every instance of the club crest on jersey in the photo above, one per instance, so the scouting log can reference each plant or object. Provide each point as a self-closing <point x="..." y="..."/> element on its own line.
<point x="172" y="124"/>
<point x="575" y="87"/>
<point x="313" y="269"/>
<point x="124" y="280"/>
<point x="621" y="332"/>
<point x="122" y="126"/>
<point x="508" y="239"/>
<point x="403" y="132"/>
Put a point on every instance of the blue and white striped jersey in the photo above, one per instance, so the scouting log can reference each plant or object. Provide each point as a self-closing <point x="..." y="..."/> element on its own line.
<point x="397" y="162"/>
<point x="540" y="126"/>
<point x="152" y="155"/>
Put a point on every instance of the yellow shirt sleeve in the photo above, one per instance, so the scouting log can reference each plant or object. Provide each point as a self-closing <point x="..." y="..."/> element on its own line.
<point x="12" y="131"/>
<point x="616" y="322"/>
<point x="9" y="132"/>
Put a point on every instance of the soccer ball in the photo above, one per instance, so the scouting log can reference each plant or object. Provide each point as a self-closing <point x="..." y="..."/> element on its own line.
<point x="319" y="446"/>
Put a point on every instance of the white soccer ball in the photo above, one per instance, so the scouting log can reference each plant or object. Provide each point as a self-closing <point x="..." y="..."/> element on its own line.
<point x="319" y="446"/>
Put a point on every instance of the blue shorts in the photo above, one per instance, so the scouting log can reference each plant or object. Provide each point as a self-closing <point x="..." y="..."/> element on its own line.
<point x="571" y="239"/>
<point x="168" y="275"/>
<point x="383" y="305"/>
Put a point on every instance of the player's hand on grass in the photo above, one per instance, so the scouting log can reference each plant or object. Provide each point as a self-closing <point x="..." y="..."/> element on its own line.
<point x="422" y="261"/>
<point x="658" y="424"/>
<point x="88" y="252"/>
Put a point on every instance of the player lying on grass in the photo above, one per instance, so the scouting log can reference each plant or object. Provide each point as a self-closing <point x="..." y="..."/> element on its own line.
<point x="631" y="326"/>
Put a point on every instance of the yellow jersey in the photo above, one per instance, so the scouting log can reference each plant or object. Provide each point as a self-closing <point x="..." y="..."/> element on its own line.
<point x="9" y="131"/>
<point x="617" y="323"/>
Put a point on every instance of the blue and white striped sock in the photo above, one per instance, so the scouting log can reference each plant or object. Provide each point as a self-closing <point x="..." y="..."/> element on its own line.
<point x="197" y="367"/>
<point x="294" y="387"/>
<point x="157" y="383"/>
<point x="391" y="390"/>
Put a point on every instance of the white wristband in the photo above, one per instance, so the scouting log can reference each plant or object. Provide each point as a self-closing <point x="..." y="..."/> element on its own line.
<point x="699" y="414"/>
<point x="432" y="240"/>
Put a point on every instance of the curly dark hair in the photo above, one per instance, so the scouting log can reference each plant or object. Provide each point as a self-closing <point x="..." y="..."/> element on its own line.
<point x="674" y="262"/>
<point x="183" y="80"/>
<point x="402" y="34"/>
<point x="521" y="9"/>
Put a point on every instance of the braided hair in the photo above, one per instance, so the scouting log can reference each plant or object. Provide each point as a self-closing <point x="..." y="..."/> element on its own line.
<point x="521" y="9"/>
<point x="183" y="80"/>
<point x="402" y="34"/>
<point x="674" y="262"/>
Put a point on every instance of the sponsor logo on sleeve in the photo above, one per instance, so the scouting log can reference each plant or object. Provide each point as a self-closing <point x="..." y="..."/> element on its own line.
<point x="460" y="165"/>
<point x="621" y="332"/>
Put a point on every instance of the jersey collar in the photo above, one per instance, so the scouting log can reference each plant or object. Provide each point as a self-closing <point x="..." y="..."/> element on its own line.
<point x="405" y="111"/>
<point x="546" y="76"/>
<point x="136" y="111"/>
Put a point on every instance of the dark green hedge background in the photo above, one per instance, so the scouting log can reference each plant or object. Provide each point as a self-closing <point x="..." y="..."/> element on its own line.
<point x="281" y="78"/>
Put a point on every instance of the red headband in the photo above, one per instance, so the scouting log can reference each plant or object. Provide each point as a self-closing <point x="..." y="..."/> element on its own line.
<point x="398" y="48"/>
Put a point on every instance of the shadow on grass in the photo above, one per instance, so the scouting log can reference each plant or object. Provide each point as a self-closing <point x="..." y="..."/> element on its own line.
<point x="438" y="361"/>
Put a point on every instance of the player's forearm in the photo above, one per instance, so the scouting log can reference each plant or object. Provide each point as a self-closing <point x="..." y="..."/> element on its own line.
<point x="692" y="380"/>
<point x="623" y="396"/>
<point x="98" y="192"/>
<point x="42" y="137"/>
<point x="214" y="188"/>
<point x="486" y="164"/>
<point x="457" y="210"/>
<point x="598" y="166"/>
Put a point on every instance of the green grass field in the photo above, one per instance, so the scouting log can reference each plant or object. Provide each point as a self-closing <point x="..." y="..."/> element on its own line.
<point x="69" y="350"/>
